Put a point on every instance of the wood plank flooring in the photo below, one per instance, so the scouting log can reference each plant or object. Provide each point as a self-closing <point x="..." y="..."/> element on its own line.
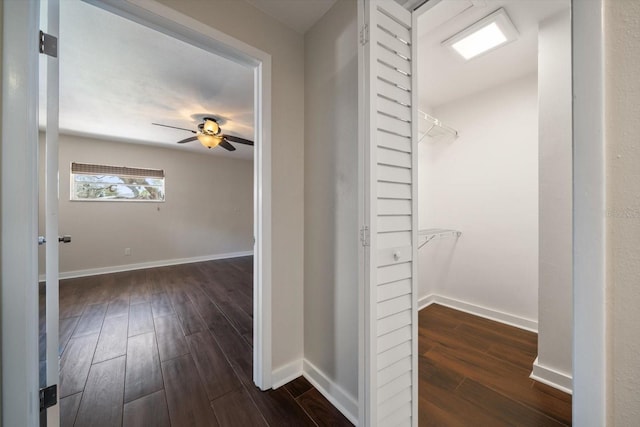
<point x="171" y="346"/>
<point x="475" y="372"/>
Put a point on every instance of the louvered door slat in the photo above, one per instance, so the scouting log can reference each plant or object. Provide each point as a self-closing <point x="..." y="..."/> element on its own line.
<point x="390" y="74"/>
<point x="394" y="93"/>
<point x="393" y="223"/>
<point x="393" y="43"/>
<point x="396" y="142"/>
<point x="390" y="190"/>
<point x="394" y="158"/>
<point x="392" y="26"/>
<point x="394" y="354"/>
<point x="393" y="290"/>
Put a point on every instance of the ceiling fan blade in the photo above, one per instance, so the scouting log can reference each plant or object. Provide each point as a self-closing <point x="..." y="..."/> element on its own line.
<point x="238" y="139"/>
<point x="191" y="138"/>
<point x="173" y="127"/>
<point x="225" y="144"/>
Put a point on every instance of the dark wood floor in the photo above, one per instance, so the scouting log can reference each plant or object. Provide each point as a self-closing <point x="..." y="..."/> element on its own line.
<point x="475" y="372"/>
<point x="171" y="346"/>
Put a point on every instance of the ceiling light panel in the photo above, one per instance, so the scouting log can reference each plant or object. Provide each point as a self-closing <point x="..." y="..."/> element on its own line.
<point x="483" y="36"/>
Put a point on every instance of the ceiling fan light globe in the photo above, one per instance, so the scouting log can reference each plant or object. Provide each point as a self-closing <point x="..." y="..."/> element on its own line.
<point x="210" y="127"/>
<point x="209" y="141"/>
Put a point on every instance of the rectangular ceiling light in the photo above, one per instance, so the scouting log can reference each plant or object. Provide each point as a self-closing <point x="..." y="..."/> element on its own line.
<point x="483" y="36"/>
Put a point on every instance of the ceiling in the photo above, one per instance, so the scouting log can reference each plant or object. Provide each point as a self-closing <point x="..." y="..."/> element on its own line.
<point x="444" y="76"/>
<point x="118" y="77"/>
<point x="299" y="15"/>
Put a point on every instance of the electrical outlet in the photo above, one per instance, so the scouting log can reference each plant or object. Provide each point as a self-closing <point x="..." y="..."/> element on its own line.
<point x="127" y="251"/>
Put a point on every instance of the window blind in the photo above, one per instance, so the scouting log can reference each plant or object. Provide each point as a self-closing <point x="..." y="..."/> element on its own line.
<point x="90" y="169"/>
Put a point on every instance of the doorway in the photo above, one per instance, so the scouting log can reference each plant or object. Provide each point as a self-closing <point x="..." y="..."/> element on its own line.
<point x="488" y="154"/>
<point x="25" y="380"/>
<point x="200" y="166"/>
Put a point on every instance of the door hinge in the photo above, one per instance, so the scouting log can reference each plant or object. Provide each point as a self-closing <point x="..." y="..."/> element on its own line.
<point x="48" y="44"/>
<point x="364" y="35"/>
<point x="364" y="235"/>
<point x="48" y="396"/>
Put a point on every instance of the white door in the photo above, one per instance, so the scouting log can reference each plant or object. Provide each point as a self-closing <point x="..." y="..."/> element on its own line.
<point x="20" y="64"/>
<point x="390" y="233"/>
<point x="49" y="24"/>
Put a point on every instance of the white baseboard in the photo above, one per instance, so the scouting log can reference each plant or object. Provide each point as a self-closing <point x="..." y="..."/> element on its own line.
<point x="143" y="265"/>
<point x="335" y="394"/>
<point x="487" y="313"/>
<point x="551" y="377"/>
<point x="286" y="373"/>
<point x="426" y="301"/>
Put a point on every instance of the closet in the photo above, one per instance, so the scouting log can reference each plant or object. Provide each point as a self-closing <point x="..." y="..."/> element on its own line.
<point x="494" y="170"/>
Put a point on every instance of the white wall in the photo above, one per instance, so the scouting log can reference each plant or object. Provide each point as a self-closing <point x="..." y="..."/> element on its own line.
<point x="485" y="184"/>
<point x="622" y="91"/>
<point x="555" y="293"/>
<point x="286" y="47"/>
<point x="208" y="209"/>
<point x="331" y="197"/>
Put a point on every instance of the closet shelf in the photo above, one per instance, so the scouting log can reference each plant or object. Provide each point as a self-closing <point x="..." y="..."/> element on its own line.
<point x="427" y="235"/>
<point x="435" y="129"/>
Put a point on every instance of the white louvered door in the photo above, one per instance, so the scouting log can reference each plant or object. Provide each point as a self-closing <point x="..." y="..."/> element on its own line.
<point x="390" y="323"/>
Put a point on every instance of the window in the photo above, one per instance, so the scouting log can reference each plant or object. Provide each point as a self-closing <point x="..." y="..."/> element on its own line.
<point x="116" y="183"/>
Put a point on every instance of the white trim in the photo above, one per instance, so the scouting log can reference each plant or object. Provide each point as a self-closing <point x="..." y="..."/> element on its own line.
<point x="150" y="264"/>
<point x="335" y="394"/>
<point x="362" y="260"/>
<point x="286" y="373"/>
<point x="426" y="301"/>
<point x="366" y="301"/>
<point x="589" y="219"/>
<point x="262" y="306"/>
<point x="52" y="191"/>
<point x="194" y="32"/>
<point x="477" y="310"/>
<point x="551" y="377"/>
<point x="415" y="239"/>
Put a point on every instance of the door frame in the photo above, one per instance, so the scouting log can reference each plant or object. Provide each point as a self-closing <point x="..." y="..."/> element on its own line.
<point x="19" y="196"/>
<point x="589" y="208"/>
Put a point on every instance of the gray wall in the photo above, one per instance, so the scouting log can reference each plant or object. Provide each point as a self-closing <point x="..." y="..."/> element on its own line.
<point x="208" y="209"/>
<point x="622" y="91"/>
<point x="286" y="47"/>
<point x="555" y="295"/>
<point x="331" y="196"/>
